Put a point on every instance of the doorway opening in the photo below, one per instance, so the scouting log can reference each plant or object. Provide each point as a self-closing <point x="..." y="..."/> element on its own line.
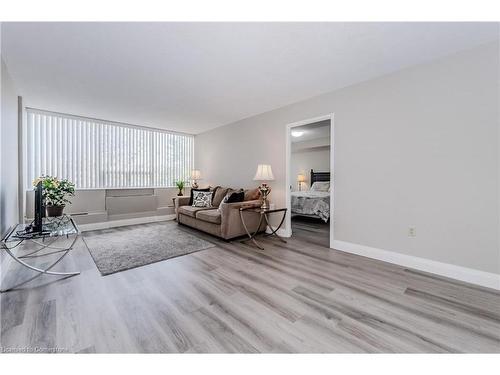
<point x="309" y="180"/>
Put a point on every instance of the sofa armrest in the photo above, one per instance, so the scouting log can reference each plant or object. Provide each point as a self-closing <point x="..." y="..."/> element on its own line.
<point x="231" y="225"/>
<point x="181" y="201"/>
<point x="227" y="207"/>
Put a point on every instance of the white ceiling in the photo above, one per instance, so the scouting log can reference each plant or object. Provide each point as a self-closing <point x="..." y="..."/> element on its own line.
<point x="192" y="77"/>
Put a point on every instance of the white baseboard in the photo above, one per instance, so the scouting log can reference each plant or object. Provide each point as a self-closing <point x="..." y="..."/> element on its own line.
<point x="124" y="222"/>
<point x="469" y="275"/>
<point x="281" y="232"/>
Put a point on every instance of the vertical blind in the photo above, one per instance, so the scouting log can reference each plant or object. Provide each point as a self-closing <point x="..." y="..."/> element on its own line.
<point x="99" y="154"/>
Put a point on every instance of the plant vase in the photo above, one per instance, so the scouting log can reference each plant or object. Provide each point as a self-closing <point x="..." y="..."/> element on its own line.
<point x="54" y="211"/>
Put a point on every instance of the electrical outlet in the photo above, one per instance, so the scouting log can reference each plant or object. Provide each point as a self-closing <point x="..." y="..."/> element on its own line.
<point x="412" y="231"/>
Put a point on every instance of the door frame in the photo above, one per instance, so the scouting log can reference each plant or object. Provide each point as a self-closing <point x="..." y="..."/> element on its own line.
<point x="288" y="156"/>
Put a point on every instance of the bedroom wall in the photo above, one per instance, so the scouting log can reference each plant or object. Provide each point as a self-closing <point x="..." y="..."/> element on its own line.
<point x="415" y="148"/>
<point x="303" y="160"/>
<point x="8" y="166"/>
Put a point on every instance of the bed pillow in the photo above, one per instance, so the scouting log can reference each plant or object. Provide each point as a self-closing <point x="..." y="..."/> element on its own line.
<point x="320" y="186"/>
<point x="202" y="199"/>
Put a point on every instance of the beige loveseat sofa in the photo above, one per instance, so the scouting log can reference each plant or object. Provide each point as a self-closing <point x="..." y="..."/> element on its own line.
<point x="224" y="222"/>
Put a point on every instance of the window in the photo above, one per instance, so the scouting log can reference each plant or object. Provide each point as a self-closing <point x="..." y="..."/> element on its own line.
<point x="101" y="154"/>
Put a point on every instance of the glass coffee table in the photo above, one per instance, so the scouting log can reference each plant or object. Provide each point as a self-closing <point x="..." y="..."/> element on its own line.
<point x="264" y="216"/>
<point x="53" y="230"/>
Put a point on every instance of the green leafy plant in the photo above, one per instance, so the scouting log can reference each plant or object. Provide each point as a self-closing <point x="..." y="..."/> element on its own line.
<point x="55" y="191"/>
<point x="180" y="184"/>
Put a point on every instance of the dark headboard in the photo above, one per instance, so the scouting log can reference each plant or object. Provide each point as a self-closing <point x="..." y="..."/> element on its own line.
<point x="319" y="176"/>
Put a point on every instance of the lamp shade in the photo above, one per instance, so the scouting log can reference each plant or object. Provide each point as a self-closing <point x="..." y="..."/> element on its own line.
<point x="195" y="174"/>
<point x="301" y="178"/>
<point x="264" y="173"/>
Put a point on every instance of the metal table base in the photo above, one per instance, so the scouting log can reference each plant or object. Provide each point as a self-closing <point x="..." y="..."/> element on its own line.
<point x="263" y="216"/>
<point x="36" y="253"/>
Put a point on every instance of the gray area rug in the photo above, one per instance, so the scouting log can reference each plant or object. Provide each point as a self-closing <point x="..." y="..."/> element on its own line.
<point x="119" y="249"/>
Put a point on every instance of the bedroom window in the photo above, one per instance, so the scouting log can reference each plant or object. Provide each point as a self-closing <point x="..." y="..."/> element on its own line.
<point x="97" y="154"/>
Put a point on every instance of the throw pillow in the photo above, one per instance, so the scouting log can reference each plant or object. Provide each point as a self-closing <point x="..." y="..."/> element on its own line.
<point x="224" y="200"/>
<point x="193" y="191"/>
<point x="320" y="186"/>
<point x="219" y="195"/>
<point x="230" y="199"/>
<point x="237" y="196"/>
<point x="252" y="194"/>
<point x="202" y="199"/>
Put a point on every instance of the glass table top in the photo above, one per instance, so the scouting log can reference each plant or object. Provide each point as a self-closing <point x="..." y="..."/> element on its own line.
<point x="261" y="210"/>
<point x="52" y="227"/>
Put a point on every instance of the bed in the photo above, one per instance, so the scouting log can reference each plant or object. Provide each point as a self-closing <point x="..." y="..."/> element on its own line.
<point x="314" y="202"/>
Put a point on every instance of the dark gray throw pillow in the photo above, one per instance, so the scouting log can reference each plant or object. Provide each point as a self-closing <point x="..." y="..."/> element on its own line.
<point x="238" y="196"/>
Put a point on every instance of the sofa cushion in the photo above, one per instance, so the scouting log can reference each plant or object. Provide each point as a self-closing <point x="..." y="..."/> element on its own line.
<point x="191" y="211"/>
<point x="219" y="195"/>
<point x="213" y="189"/>
<point x="252" y="194"/>
<point x="212" y="216"/>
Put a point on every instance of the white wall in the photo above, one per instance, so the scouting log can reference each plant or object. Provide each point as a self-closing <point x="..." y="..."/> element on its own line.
<point x="9" y="165"/>
<point x="417" y="147"/>
<point x="302" y="161"/>
<point x="1" y="221"/>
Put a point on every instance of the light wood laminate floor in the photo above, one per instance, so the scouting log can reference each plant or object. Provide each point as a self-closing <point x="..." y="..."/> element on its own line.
<point x="293" y="297"/>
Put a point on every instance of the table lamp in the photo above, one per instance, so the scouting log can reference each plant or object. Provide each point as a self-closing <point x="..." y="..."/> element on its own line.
<point x="301" y="179"/>
<point x="264" y="173"/>
<point x="195" y="176"/>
